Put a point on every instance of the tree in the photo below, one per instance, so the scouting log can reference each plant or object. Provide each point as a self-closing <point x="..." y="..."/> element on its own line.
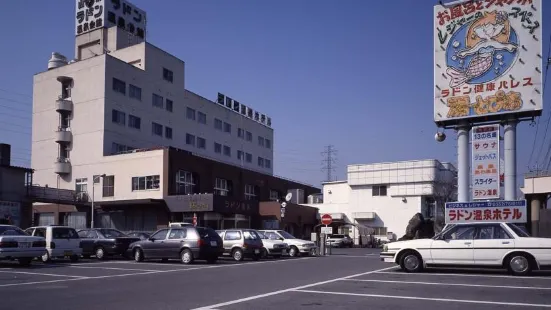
<point x="445" y="190"/>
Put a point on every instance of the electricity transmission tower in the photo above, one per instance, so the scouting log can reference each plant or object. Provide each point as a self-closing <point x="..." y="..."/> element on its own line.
<point x="329" y="162"/>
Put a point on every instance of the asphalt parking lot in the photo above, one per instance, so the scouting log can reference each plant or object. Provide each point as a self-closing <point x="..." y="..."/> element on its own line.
<point x="348" y="279"/>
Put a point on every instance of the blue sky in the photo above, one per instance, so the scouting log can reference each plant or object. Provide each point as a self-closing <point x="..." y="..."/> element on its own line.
<point x="354" y="74"/>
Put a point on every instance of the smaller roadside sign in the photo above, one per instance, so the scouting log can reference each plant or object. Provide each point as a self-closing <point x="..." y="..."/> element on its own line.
<point x="327" y="230"/>
<point x="510" y="211"/>
<point x="326" y="219"/>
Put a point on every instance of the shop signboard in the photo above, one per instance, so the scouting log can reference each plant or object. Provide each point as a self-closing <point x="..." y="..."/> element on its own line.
<point x="10" y="212"/>
<point x="487" y="60"/>
<point x="511" y="211"/>
<point x="485" y="163"/>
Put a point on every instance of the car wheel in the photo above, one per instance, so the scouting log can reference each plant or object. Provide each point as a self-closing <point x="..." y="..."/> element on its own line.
<point x="138" y="255"/>
<point x="293" y="251"/>
<point x="519" y="264"/>
<point x="186" y="256"/>
<point x="100" y="253"/>
<point x="411" y="262"/>
<point x="237" y="255"/>
<point x="74" y="258"/>
<point x="264" y="253"/>
<point x="46" y="257"/>
<point x="25" y="261"/>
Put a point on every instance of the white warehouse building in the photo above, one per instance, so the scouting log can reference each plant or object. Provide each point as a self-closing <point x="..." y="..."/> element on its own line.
<point x="385" y="196"/>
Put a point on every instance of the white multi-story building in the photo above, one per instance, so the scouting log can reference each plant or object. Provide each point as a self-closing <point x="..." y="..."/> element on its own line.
<point x="122" y="93"/>
<point x="385" y="196"/>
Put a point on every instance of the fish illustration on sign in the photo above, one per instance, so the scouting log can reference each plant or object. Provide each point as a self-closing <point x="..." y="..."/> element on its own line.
<point x="490" y="33"/>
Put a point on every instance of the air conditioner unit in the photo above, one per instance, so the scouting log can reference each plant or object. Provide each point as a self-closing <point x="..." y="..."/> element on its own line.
<point x="256" y="116"/>
<point x="263" y="118"/>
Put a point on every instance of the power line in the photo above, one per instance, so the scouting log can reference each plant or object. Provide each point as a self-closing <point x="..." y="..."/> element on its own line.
<point x="16" y="93"/>
<point x="329" y="162"/>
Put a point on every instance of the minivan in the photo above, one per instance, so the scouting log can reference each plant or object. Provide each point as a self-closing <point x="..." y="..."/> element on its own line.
<point x="61" y="242"/>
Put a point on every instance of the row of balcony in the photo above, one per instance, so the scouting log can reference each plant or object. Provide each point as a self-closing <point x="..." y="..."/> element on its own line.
<point x="63" y="135"/>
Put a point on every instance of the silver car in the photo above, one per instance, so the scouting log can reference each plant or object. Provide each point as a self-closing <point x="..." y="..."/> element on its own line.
<point x="241" y="243"/>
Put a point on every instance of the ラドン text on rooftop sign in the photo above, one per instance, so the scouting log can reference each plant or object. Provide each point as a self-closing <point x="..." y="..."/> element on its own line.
<point x="488" y="60"/>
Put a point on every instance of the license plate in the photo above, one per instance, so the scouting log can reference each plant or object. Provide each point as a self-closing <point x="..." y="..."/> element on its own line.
<point x="256" y="251"/>
<point x="68" y="253"/>
<point x="213" y="243"/>
<point x="24" y="244"/>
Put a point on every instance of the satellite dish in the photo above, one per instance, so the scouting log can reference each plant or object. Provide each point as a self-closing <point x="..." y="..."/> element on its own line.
<point x="283" y="205"/>
<point x="289" y="196"/>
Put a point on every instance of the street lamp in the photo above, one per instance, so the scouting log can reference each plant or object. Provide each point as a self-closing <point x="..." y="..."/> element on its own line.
<point x="96" y="177"/>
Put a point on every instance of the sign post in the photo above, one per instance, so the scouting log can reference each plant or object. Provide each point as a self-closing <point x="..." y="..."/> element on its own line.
<point x="326" y="220"/>
<point x="194" y="219"/>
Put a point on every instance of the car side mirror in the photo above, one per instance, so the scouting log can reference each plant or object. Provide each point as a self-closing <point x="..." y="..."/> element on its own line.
<point x="151" y="239"/>
<point x="281" y="238"/>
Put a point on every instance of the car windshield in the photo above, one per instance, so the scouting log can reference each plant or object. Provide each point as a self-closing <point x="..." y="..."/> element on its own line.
<point x="262" y="235"/>
<point x="285" y="234"/>
<point x="112" y="233"/>
<point x="12" y="231"/>
<point x="337" y="236"/>
<point x="250" y="235"/>
<point x="519" y="230"/>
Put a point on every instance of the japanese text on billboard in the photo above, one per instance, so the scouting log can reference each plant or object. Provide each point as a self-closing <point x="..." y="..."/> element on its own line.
<point x="487" y="59"/>
<point x="487" y="211"/>
<point x="485" y="164"/>
<point x="94" y="14"/>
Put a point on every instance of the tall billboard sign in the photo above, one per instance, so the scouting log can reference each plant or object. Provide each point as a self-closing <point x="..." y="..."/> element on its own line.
<point x="485" y="165"/>
<point x="487" y="61"/>
<point x="95" y="14"/>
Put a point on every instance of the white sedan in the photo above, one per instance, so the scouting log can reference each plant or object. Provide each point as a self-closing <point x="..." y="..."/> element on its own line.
<point x="501" y="245"/>
<point x="17" y="244"/>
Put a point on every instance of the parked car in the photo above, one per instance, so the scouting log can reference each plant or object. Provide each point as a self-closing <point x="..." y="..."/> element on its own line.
<point x="104" y="242"/>
<point x="339" y="241"/>
<point x="139" y="234"/>
<point x="241" y="243"/>
<point x="185" y="243"/>
<point x="179" y="224"/>
<point x="272" y="247"/>
<point x="473" y="244"/>
<point x="61" y="242"/>
<point x="296" y="246"/>
<point x="15" y="244"/>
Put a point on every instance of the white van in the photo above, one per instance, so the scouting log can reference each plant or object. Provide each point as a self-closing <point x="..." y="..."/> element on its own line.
<point x="61" y="241"/>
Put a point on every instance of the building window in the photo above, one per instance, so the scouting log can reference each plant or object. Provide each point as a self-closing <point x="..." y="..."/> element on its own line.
<point x="168" y="132"/>
<point x="157" y="129"/>
<point x="222" y="187"/>
<point x="227" y="127"/>
<point x="109" y="186"/>
<point x="134" y="121"/>
<point x="134" y="92"/>
<point x="217" y="148"/>
<point x="260" y="162"/>
<point x="118" y="117"/>
<point x="169" y="105"/>
<point x="268" y="143"/>
<point x="227" y="150"/>
<point x="150" y="182"/>
<point x="217" y="124"/>
<point x="274" y="195"/>
<point x="248" y="157"/>
<point x="158" y="101"/>
<point x="250" y="192"/>
<point x="240" y="155"/>
<point x="379" y="190"/>
<point x="185" y="182"/>
<point x="190" y="139"/>
<point x="201" y="117"/>
<point x="241" y="133"/>
<point x="81" y="185"/>
<point x="249" y="136"/>
<point x="119" y="86"/>
<point x="260" y="141"/>
<point x="380" y="231"/>
<point x="119" y="148"/>
<point x="267" y="163"/>
<point x="168" y="75"/>
<point x="190" y="113"/>
<point x="201" y="143"/>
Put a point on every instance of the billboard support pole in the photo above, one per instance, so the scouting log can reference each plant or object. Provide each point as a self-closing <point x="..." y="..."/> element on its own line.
<point x="510" y="158"/>
<point x="463" y="173"/>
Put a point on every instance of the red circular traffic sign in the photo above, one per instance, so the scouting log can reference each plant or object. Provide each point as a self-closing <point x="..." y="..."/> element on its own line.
<point x="326" y="219"/>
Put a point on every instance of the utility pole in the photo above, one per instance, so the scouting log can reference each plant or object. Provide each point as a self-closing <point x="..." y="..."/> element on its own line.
<point x="329" y="161"/>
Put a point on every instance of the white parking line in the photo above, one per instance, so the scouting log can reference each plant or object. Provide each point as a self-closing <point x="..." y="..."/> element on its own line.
<point x="236" y="301"/>
<point x="466" y="275"/>
<point x="148" y="263"/>
<point x="39" y="274"/>
<point x="112" y="268"/>
<point x="153" y="272"/>
<point x="452" y="284"/>
<point x="486" y="302"/>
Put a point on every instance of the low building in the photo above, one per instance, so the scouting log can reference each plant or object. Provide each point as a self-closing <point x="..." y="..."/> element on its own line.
<point x="537" y="190"/>
<point x="381" y="198"/>
<point x="15" y="203"/>
<point x="145" y="189"/>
